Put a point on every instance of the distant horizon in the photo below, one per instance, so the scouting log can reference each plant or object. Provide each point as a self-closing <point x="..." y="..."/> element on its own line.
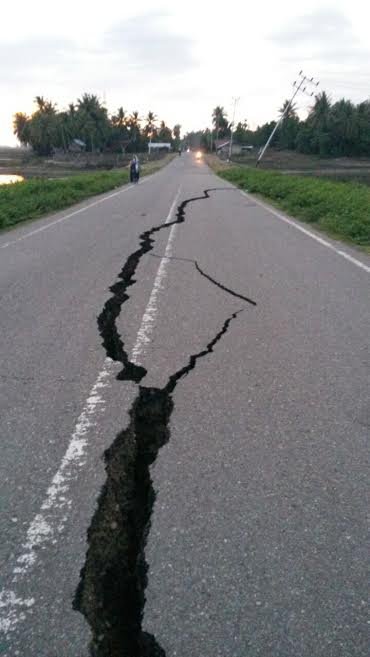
<point x="178" y="62"/>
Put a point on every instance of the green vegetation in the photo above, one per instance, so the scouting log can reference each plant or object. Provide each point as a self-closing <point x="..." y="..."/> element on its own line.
<point x="340" y="209"/>
<point x="36" y="197"/>
<point x="340" y="129"/>
<point x="33" y="198"/>
<point x="88" y="121"/>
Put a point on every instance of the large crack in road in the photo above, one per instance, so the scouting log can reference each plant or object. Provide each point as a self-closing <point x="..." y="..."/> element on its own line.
<point x="111" y="592"/>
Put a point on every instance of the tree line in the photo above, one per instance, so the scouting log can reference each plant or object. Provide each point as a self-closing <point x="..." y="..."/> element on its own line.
<point x="88" y="121"/>
<point x="330" y="129"/>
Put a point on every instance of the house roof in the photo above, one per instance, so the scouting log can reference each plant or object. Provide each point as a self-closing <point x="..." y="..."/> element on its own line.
<point x="160" y="144"/>
<point x="219" y="143"/>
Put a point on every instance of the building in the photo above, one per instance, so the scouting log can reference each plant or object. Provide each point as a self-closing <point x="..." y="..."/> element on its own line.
<point x="159" y="146"/>
<point x="77" y="146"/>
<point x="223" y="147"/>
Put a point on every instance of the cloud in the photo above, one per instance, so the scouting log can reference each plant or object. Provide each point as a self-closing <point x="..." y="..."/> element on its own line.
<point x="324" y="36"/>
<point x="148" y="43"/>
<point x="135" y="53"/>
<point x="139" y="62"/>
<point x="321" y="26"/>
<point x="32" y="53"/>
<point x="35" y="61"/>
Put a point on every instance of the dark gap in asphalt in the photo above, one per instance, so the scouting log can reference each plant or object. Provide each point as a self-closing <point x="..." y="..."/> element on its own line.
<point x="111" y="591"/>
<point x="112" y="341"/>
<point x="207" y="276"/>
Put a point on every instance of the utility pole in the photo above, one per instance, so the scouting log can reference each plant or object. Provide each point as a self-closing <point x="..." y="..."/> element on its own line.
<point x="236" y="100"/>
<point x="298" y="86"/>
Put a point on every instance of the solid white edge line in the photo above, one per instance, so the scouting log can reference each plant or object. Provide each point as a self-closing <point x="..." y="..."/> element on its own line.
<point x="45" y="526"/>
<point x="72" y="214"/>
<point x="318" y="239"/>
<point x="67" y="216"/>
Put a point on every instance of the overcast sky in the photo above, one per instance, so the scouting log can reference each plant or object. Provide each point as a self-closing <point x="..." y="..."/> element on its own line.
<point x="181" y="58"/>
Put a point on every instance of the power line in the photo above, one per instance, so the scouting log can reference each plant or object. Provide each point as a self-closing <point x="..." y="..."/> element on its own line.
<point x="236" y="100"/>
<point x="300" y="85"/>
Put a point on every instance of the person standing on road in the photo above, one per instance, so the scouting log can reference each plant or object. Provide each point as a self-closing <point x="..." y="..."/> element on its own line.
<point x="134" y="169"/>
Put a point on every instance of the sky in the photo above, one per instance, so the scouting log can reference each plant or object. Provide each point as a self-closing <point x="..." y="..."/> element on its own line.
<point x="180" y="59"/>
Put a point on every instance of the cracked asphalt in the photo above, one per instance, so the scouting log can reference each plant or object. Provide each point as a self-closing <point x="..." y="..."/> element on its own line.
<point x="258" y="543"/>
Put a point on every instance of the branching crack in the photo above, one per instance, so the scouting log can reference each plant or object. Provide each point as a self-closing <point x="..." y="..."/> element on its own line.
<point x="111" y="592"/>
<point x="203" y="273"/>
<point x="112" y="341"/>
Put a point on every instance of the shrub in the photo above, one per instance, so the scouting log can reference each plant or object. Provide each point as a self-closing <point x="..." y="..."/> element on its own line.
<point x="340" y="208"/>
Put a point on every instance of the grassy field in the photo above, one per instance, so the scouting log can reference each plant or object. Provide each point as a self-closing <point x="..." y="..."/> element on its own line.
<point x="25" y="163"/>
<point x="36" y="197"/>
<point x="346" y="169"/>
<point x="341" y="209"/>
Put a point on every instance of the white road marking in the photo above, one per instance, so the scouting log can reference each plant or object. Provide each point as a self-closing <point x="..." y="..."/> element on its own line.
<point x="71" y="214"/>
<point x="53" y="515"/>
<point x="41" y="528"/>
<point x="148" y="319"/>
<point x="10" y="600"/>
<point x="322" y="241"/>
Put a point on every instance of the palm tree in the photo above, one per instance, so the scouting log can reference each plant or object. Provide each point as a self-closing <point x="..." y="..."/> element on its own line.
<point x="164" y="134"/>
<point x="133" y="123"/>
<point x="21" y="127"/>
<point x="344" y="126"/>
<point x="134" y="119"/>
<point x="64" y="133"/>
<point x="219" y="120"/>
<point x="363" y="121"/>
<point x="288" y="110"/>
<point x="177" y="131"/>
<point x="45" y="106"/>
<point x="219" y="116"/>
<point x="289" y="125"/>
<point x="40" y="102"/>
<point x="92" y="121"/>
<point x="319" y="112"/>
<point x="119" y="119"/>
<point x="150" y="127"/>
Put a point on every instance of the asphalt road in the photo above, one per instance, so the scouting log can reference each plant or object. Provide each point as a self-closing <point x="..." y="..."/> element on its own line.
<point x="258" y="543"/>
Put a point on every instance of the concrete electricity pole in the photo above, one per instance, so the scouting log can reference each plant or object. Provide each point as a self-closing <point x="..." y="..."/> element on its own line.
<point x="236" y="100"/>
<point x="298" y="86"/>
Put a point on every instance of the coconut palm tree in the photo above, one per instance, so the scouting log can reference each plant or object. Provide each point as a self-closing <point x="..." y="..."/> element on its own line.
<point x="288" y="110"/>
<point x="21" y="128"/>
<point x="177" y="131"/>
<point x="219" y="120"/>
<point x="119" y="120"/>
<point x="344" y="127"/>
<point x="40" y="102"/>
<point x="150" y="127"/>
<point x="134" y="119"/>
<point x="92" y="121"/>
<point x="165" y="133"/>
<point x="319" y="113"/>
<point x="133" y="124"/>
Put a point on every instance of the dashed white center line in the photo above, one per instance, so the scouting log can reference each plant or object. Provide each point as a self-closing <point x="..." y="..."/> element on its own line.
<point x="48" y="524"/>
<point x="148" y="320"/>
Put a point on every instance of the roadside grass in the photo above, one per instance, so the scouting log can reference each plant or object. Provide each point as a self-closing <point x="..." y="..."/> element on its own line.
<point x="341" y="209"/>
<point x="36" y="197"/>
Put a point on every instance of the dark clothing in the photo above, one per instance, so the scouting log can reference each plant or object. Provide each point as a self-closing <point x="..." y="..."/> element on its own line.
<point x="134" y="172"/>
